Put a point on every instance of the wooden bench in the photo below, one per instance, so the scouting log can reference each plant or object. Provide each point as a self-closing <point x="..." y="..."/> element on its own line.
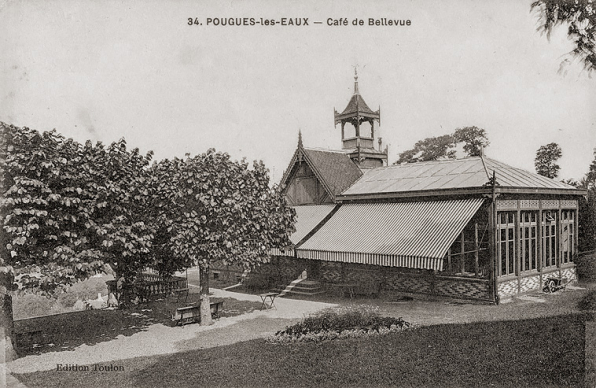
<point x="190" y="314"/>
<point x="29" y="338"/>
<point x="215" y="306"/>
<point x="178" y="292"/>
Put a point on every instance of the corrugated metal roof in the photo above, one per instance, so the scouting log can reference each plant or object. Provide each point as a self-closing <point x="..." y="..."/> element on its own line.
<point x="307" y="218"/>
<point x="447" y="174"/>
<point x="405" y="234"/>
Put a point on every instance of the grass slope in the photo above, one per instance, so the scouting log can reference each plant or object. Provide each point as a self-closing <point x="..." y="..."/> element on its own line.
<point x="533" y="352"/>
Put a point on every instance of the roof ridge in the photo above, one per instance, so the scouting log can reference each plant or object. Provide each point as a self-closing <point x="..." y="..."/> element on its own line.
<point x="433" y="161"/>
<point x="325" y="150"/>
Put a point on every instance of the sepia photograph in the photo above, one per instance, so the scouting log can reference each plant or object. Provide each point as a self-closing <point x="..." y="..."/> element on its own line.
<point x="253" y="193"/>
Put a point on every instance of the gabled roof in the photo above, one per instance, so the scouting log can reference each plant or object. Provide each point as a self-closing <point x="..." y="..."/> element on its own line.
<point x="334" y="169"/>
<point x="449" y="174"/>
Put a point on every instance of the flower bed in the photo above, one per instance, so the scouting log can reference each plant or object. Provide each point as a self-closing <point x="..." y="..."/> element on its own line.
<point x="339" y="323"/>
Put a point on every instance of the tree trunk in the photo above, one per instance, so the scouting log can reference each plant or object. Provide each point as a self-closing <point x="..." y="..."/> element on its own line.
<point x="7" y="335"/>
<point x="205" y="302"/>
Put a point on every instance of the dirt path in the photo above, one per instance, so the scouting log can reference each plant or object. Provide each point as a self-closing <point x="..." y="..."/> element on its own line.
<point x="158" y="339"/>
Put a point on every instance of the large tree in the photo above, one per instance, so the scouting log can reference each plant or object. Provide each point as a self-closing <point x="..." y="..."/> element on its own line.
<point x="474" y="139"/>
<point x="222" y="210"/>
<point x="580" y="18"/>
<point x="431" y="148"/>
<point x="546" y="160"/>
<point x="587" y="211"/>
<point x="66" y="209"/>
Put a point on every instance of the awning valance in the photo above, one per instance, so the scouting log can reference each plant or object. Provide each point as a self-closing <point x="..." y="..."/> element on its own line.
<point x="406" y="234"/>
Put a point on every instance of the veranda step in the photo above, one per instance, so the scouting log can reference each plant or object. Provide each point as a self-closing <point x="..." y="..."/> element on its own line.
<point x="310" y="282"/>
<point x="307" y="288"/>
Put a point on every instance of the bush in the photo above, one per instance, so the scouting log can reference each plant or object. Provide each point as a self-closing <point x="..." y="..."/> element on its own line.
<point x="588" y="302"/>
<point x="586" y="266"/>
<point x="87" y="289"/>
<point x="31" y="305"/>
<point x="337" y="323"/>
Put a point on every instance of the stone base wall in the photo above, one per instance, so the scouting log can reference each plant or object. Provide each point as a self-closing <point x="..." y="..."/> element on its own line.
<point x="507" y="288"/>
<point x="374" y="280"/>
<point x="463" y="288"/>
<point x="533" y="281"/>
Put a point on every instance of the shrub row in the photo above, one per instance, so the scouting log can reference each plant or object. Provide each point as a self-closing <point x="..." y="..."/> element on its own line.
<point x="328" y="335"/>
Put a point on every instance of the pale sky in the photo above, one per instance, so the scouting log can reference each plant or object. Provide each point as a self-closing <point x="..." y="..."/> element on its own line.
<point x="104" y="70"/>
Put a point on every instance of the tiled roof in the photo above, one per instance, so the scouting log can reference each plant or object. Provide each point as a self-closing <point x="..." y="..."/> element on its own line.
<point x="335" y="168"/>
<point x="448" y="174"/>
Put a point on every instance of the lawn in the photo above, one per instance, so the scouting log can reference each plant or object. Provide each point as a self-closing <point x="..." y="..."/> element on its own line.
<point x="540" y="352"/>
<point x="69" y="330"/>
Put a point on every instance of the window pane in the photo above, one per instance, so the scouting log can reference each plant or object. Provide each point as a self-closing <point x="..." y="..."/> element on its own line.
<point x="526" y="255"/>
<point x="533" y="253"/>
<point x="511" y="256"/>
<point x="503" y="258"/>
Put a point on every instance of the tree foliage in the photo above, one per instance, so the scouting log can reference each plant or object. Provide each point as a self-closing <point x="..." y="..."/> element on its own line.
<point x="474" y="139"/>
<point x="70" y="208"/>
<point x="431" y="148"/>
<point x="587" y="211"/>
<point x="67" y="209"/>
<point x="220" y="210"/>
<point x="546" y="160"/>
<point x="580" y="18"/>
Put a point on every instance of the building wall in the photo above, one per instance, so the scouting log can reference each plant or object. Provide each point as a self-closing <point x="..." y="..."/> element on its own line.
<point x="535" y="281"/>
<point x="374" y="280"/>
<point x="553" y="251"/>
<point x="281" y="270"/>
<point x="305" y="189"/>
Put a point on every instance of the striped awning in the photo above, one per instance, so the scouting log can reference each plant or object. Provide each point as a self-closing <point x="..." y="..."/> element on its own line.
<point x="406" y="234"/>
<point x="307" y="218"/>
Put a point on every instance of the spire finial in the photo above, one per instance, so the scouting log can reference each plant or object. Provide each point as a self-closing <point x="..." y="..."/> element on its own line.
<point x="356" y="80"/>
<point x="300" y="139"/>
